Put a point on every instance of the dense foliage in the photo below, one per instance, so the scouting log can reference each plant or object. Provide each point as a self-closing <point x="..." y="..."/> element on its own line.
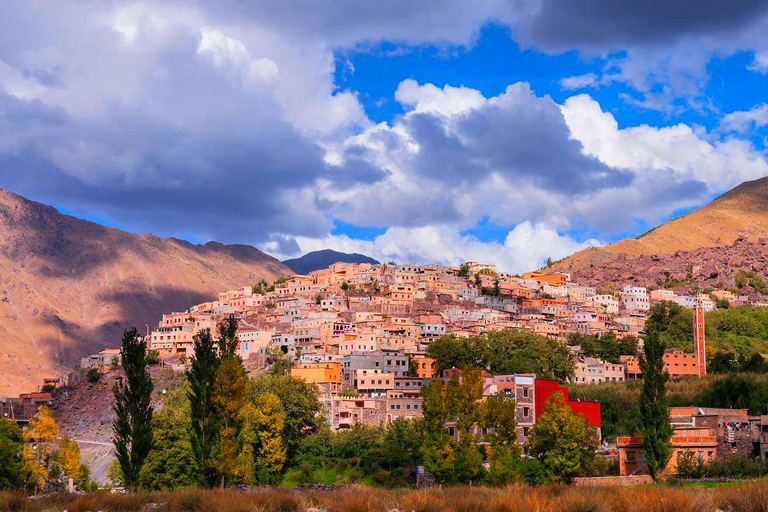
<point x="504" y="352"/>
<point x="563" y="441"/>
<point x="606" y="346"/>
<point x="132" y="428"/>
<point x="171" y="463"/>
<point x="620" y="413"/>
<point x="12" y="475"/>
<point x="741" y="331"/>
<point x="654" y="413"/>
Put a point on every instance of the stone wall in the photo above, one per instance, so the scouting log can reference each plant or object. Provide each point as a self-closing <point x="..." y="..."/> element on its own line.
<point x="612" y="481"/>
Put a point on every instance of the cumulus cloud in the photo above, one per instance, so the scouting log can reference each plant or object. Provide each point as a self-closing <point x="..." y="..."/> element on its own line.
<point x="525" y="247"/>
<point x="222" y="120"/>
<point x="742" y="121"/>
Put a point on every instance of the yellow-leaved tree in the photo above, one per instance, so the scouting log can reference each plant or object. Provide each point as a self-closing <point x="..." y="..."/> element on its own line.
<point x="270" y="419"/>
<point x="68" y="457"/>
<point x="41" y="436"/>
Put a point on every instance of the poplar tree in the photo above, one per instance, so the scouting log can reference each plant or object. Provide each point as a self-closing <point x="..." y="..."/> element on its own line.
<point x="656" y="427"/>
<point x="132" y="429"/>
<point x="202" y="378"/>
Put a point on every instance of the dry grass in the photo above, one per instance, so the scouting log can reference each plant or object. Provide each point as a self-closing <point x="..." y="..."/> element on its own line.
<point x="740" y="497"/>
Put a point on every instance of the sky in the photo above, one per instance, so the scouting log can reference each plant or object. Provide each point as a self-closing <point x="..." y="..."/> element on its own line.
<point x="432" y="131"/>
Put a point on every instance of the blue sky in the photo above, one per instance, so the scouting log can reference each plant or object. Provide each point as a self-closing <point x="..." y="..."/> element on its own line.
<point x="430" y="131"/>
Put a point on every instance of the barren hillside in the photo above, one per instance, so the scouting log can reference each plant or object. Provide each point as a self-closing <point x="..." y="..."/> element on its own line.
<point x="741" y="212"/>
<point x="69" y="287"/>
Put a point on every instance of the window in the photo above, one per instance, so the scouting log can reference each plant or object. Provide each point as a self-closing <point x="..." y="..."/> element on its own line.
<point x="525" y="411"/>
<point x="631" y="456"/>
<point x="525" y="392"/>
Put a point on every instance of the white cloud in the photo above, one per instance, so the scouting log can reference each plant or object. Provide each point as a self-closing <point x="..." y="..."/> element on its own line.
<point x="743" y="120"/>
<point x="525" y="247"/>
<point x="447" y="101"/>
<point x="759" y="63"/>
<point x="580" y="81"/>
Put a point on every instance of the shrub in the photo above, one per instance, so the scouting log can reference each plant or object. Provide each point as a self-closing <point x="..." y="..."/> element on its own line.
<point x="94" y="375"/>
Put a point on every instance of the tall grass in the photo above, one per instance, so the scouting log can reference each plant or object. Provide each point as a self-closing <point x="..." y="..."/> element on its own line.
<point x="740" y="497"/>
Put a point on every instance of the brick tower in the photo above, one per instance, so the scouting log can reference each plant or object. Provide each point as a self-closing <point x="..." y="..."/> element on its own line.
<point x="699" y="341"/>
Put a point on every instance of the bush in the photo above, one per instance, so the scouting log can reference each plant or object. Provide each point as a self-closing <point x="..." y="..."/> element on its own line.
<point x="93" y="375"/>
<point x="153" y="357"/>
<point x="736" y="466"/>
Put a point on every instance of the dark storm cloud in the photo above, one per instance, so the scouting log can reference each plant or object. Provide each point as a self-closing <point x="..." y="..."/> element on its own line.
<point x="519" y="136"/>
<point x="614" y="24"/>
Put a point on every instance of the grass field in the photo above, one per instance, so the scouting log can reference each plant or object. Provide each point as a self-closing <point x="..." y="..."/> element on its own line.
<point x="738" y="497"/>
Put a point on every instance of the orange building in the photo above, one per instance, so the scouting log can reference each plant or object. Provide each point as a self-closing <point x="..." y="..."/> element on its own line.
<point x="677" y="363"/>
<point x="555" y="279"/>
<point x="319" y="373"/>
<point x="425" y="366"/>
<point x="700" y="440"/>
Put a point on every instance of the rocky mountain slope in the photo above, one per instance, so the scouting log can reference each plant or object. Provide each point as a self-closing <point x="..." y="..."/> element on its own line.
<point x="69" y="287"/>
<point x="740" y="266"/>
<point x="739" y="213"/>
<point x="317" y="260"/>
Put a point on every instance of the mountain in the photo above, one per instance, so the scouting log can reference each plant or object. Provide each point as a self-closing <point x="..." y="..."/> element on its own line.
<point x="317" y="260"/>
<point x="69" y="287"/>
<point x="739" y="213"/>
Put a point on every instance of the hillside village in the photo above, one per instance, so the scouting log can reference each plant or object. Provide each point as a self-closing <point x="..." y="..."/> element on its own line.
<point x="361" y="333"/>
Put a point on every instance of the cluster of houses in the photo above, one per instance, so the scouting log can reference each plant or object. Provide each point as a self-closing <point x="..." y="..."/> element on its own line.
<point x="360" y="331"/>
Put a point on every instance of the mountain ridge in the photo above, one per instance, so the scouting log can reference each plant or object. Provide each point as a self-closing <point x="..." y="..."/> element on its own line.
<point x="317" y="260"/>
<point x="741" y="212"/>
<point x="69" y="286"/>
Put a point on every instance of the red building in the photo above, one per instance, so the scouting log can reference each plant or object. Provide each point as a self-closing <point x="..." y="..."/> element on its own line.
<point x="543" y="389"/>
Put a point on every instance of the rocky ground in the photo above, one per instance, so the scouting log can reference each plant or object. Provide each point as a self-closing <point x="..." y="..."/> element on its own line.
<point x="683" y="271"/>
<point x="84" y="413"/>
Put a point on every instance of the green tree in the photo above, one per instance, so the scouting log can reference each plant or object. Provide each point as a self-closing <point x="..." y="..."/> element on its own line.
<point x="93" y="375"/>
<point x="563" y="441"/>
<point x="227" y="337"/>
<point x="202" y="378"/>
<point x="722" y="362"/>
<point x="438" y="450"/>
<point x="171" y="463"/>
<point x="12" y="475"/>
<point x="298" y="400"/>
<point x="132" y="428"/>
<point x="464" y="396"/>
<point x="463" y="270"/>
<point x="500" y="417"/>
<point x="656" y="426"/>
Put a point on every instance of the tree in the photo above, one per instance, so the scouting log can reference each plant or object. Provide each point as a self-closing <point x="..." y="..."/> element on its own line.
<point x="656" y="426"/>
<point x="132" y="428"/>
<point x="202" y="378"/>
<point x="464" y="399"/>
<point x="230" y="395"/>
<point x="563" y="441"/>
<point x="41" y="436"/>
<point x="500" y="417"/>
<point x="438" y="448"/>
<point x="12" y="474"/>
<point x="228" y="337"/>
<point x="298" y="400"/>
<point x="463" y="270"/>
<point x="67" y="455"/>
<point x="504" y="352"/>
<point x="171" y="463"/>
<point x="93" y="375"/>
<point x="755" y="364"/>
<point x="268" y="419"/>
<point x="722" y="362"/>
